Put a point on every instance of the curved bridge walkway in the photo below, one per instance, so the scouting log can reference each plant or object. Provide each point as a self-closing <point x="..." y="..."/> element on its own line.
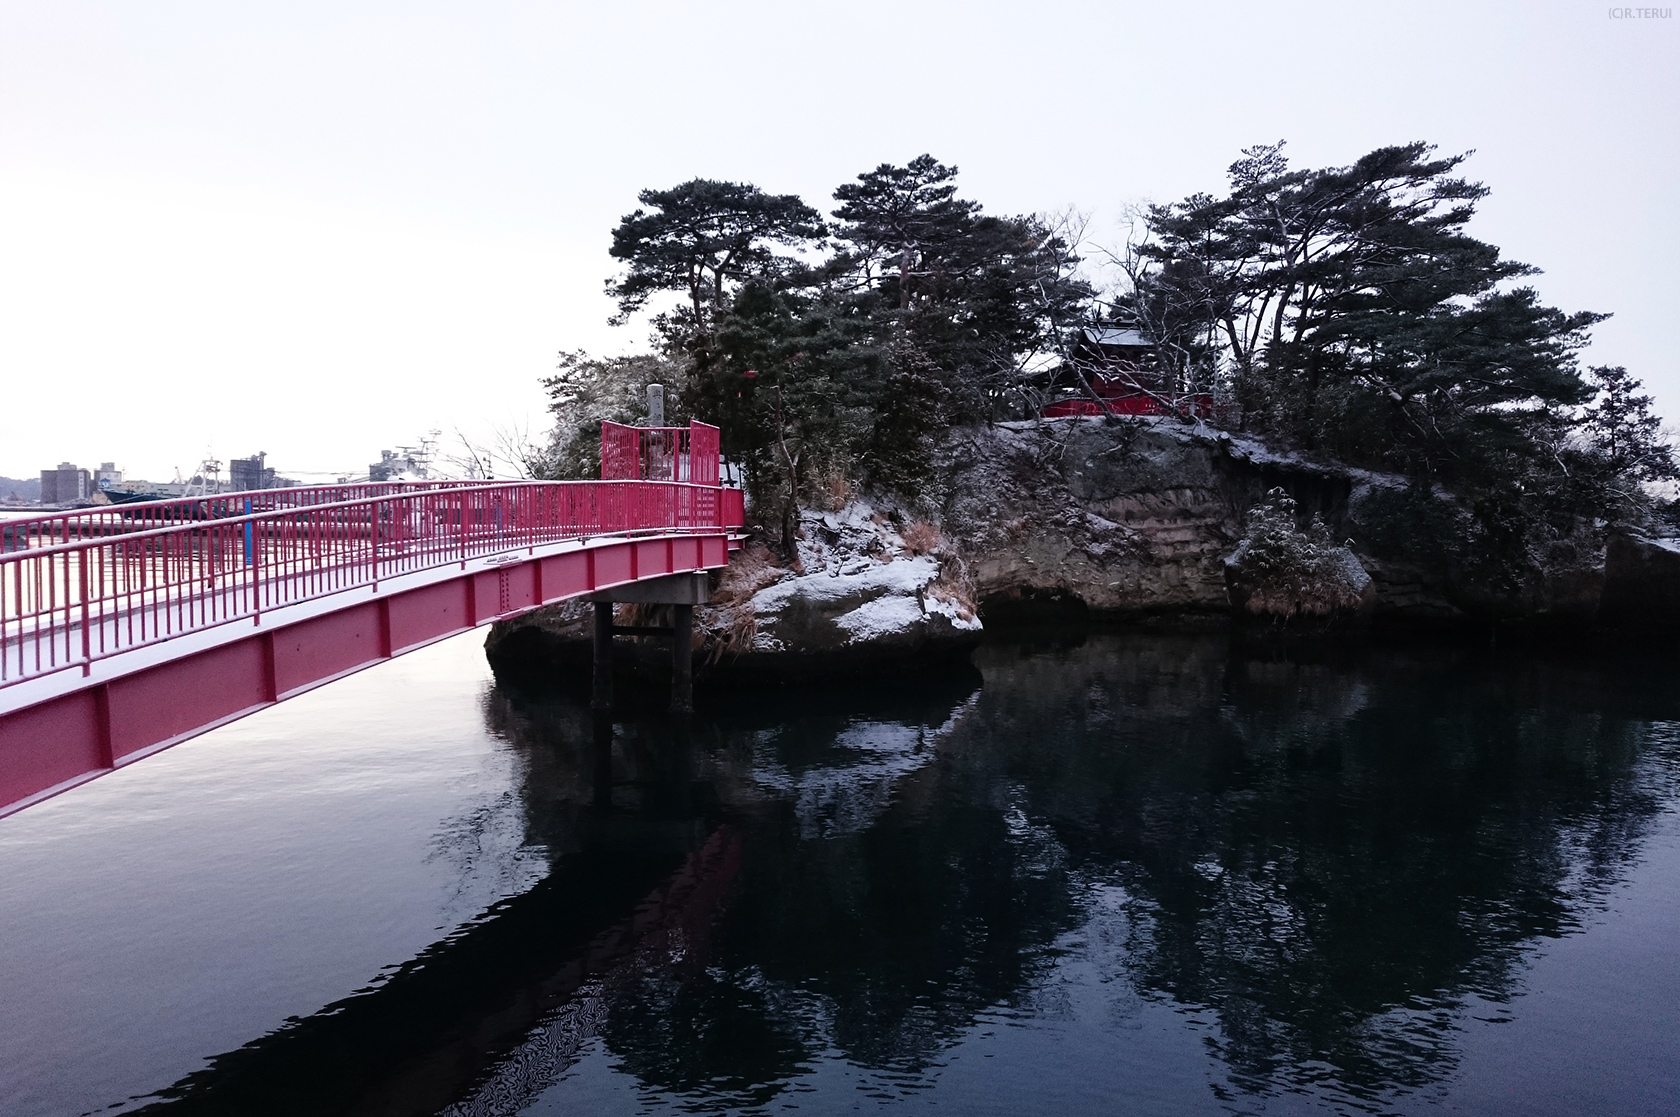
<point x="128" y="628"/>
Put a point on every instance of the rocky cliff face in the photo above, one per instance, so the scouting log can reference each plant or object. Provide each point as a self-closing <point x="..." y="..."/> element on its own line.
<point x="1136" y="519"/>
<point x="1129" y="520"/>
<point x="1642" y="584"/>
<point x="1075" y="514"/>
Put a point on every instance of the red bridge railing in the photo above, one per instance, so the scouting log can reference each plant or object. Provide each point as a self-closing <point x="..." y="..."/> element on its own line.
<point x="119" y="519"/>
<point x="82" y="586"/>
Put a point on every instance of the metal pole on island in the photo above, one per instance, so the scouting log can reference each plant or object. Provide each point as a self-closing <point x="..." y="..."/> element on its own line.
<point x="682" y="616"/>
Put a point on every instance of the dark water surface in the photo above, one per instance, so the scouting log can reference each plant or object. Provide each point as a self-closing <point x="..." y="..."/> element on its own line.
<point x="1134" y="874"/>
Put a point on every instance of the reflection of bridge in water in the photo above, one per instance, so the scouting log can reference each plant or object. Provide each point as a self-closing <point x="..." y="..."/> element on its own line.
<point x="127" y="629"/>
<point x="1330" y="868"/>
<point x="486" y="1019"/>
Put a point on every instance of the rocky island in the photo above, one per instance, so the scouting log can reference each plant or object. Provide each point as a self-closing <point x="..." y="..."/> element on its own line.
<point x="1311" y="405"/>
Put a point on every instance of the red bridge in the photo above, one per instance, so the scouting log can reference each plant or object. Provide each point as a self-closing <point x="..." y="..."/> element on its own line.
<point x="129" y="628"/>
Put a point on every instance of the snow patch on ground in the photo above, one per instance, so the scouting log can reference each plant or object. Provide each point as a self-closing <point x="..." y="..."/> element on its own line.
<point x="882" y="617"/>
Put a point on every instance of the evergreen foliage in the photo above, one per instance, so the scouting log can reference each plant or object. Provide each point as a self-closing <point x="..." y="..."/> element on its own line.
<point x="1357" y="317"/>
<point x="1285" y="571"/>
<point x="585" y="391"/>
<point x="1621" y="447"/>
<point x="704" y="238"/>
<point x="922" y="312"/>
<point x="1344" y="311"/>
<point x="1350" y="315"/>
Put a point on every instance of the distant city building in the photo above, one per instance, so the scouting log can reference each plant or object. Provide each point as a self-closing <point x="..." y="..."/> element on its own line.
<point x="405" y="463"/>
<point x="64" y="485"/>
<point x="245" y="474"/>
<point x="107" y="476"/>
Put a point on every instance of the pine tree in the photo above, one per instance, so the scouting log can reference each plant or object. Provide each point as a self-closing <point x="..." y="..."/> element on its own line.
<point x="1623" y="444"/>
<point x="1357" y="317"/>
<point x="703" y="239"/>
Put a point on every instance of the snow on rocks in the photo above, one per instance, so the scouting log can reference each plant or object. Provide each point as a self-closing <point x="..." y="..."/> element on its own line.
<point x="871" y="594"/>
<point x="852" y="786"/>
<point x="863" y="587"/>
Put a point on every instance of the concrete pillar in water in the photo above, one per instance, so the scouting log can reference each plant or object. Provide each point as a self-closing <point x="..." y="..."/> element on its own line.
<point x="682" y="592"/>
<point x="601" y="697"/>
<point x="682" y="659"/>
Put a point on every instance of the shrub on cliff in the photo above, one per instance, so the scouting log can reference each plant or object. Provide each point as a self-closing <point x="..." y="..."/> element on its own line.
<point x="1282" y="572"/>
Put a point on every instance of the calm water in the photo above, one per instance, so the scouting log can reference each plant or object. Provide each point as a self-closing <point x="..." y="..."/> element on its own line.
<point x="1139" y="874"/>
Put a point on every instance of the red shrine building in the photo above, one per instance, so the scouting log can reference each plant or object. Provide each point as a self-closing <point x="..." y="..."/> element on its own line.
<point x="1120" y="365"/>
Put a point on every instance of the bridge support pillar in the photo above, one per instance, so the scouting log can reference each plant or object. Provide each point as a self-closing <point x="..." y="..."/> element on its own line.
<point x="601" y="696"/>
<point x="682" y="659"/>
<point x="682" y="592"/>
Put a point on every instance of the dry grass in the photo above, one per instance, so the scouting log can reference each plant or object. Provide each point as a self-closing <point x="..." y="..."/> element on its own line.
<point x="922" y="538"/>
<point x="749" y="571"/>
<point x="836" y="493"/>
<point x="956" y="594"/>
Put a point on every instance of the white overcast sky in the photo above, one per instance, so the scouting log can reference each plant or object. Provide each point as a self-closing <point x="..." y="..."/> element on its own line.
<point x="318" y="229"/>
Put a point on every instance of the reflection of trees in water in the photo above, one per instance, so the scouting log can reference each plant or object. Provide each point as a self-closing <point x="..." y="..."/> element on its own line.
<point x="884" y="952"/>
<point x="1330" y="860"/>
<point x="850" y="863"/>
<point x="878" y="912"/>
<point x="721" y="1036"/>
<point x="901" y="934"/>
